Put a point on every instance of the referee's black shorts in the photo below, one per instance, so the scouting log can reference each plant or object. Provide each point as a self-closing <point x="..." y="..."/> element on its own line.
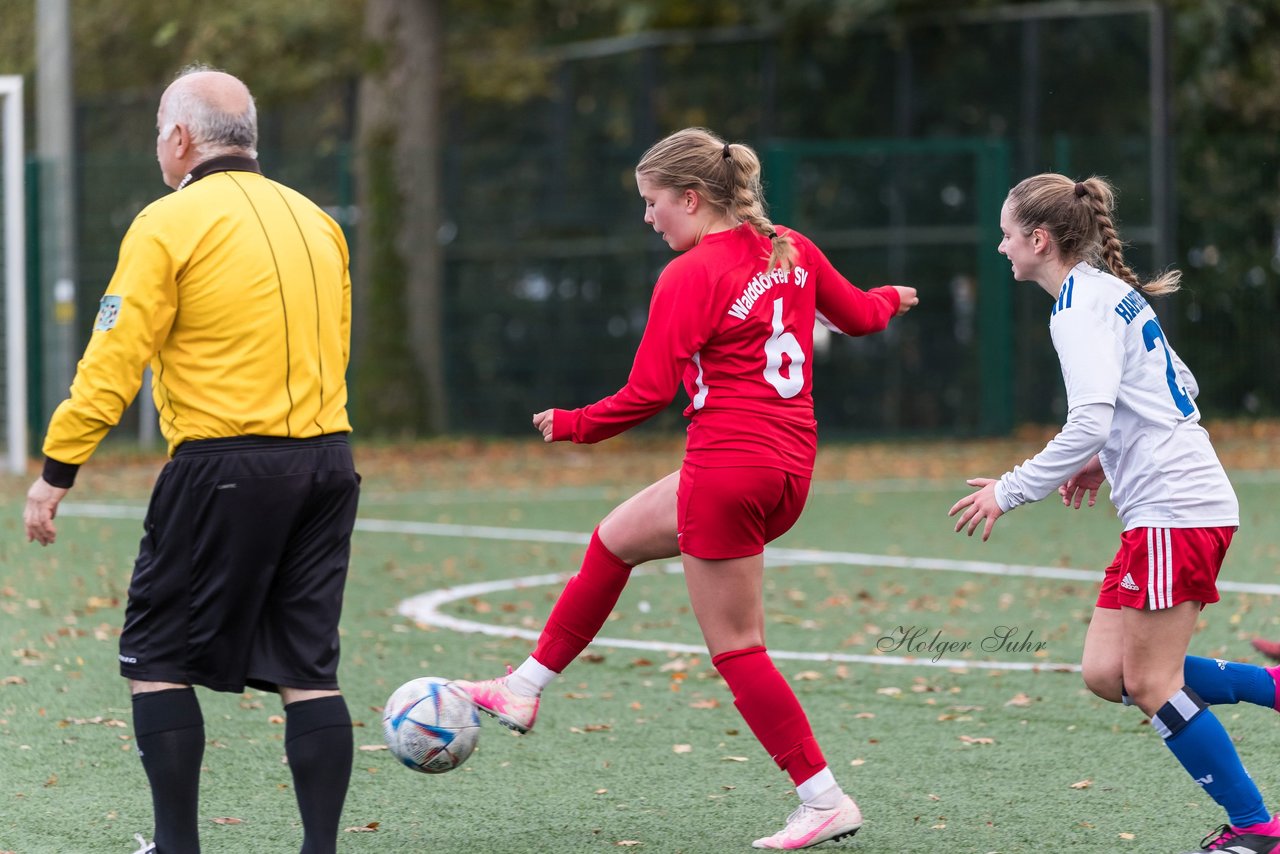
<point x="241" y="569"/>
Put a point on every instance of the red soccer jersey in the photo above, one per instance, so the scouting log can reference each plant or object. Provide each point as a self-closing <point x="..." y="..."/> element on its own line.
<point x="740" y="337"/>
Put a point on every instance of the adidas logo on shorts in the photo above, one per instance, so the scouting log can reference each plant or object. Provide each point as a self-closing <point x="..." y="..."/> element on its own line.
<point x="1127" y="582"/>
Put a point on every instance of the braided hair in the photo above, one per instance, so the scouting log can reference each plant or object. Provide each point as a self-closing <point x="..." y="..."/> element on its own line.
<point x="1078" y="215"/>
<point x="725" y="174"/>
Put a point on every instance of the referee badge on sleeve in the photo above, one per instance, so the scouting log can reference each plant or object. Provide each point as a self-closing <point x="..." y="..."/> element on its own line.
<point x="108" y="314"/>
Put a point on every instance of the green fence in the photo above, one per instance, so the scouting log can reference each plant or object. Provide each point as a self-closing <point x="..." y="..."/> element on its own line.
<point x="548" y="312"/>
<point x="920" y="213"/>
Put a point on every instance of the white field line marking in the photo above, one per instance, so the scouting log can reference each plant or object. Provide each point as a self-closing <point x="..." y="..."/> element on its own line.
<point x="425" y="608"/>
<point x="489" y="496"/>
<point x="375" y="498"/>
<point x="101" y="511"/>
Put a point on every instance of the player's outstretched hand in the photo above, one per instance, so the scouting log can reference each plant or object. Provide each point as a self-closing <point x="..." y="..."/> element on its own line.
<point x="543" y="422"/>
<point x="42" y="506"/>
<point x="907" y="299"/>
<point x="978" y="506"/>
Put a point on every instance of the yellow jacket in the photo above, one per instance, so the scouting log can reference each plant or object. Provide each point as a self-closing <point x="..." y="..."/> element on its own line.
<point x="236" y="290"/>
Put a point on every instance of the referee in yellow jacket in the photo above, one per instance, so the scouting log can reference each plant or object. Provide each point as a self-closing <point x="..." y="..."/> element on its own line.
<point x="236" y="291"/>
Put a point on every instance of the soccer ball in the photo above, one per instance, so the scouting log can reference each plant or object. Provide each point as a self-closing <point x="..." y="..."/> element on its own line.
<point x="430" y="725"/>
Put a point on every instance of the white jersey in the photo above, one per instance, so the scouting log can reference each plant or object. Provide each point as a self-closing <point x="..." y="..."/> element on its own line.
<point x="1162" y="468"/>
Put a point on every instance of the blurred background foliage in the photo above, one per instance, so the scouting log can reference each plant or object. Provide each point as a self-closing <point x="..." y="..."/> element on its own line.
<point x="514" y="274"/>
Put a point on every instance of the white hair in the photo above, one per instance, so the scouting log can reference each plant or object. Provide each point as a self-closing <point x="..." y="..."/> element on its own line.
<point x="213" y="130"/>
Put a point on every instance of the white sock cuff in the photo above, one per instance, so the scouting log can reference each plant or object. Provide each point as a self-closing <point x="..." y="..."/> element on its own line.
<point x="535" y="673"/>
<point x="816" y="785"/>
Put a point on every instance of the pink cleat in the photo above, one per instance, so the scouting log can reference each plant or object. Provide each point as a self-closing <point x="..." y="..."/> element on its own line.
<point x="808" y="826"/>
<point x="1232" y="840"/>
<point x="494" y="697"/>
<point x="1275" y="677"/>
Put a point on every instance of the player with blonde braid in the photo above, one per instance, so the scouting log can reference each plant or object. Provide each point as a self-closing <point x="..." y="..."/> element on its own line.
<point x="731" y="319"/>
<point x="1132" y="420"/>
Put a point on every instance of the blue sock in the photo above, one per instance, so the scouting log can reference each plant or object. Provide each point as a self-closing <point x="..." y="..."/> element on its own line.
<point x="1218" y="682"/>
<point x="1203" y="747"/>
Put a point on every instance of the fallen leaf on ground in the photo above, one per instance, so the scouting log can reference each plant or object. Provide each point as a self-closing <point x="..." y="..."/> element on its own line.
<point x="98" y="719"/>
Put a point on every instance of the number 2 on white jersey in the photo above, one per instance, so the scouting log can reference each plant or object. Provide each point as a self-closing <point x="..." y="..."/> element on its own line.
<point x="781" y="343"/>
<point x="1151" y="333"/>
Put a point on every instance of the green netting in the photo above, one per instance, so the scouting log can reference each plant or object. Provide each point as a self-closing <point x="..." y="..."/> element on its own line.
<point x="892" y="148"/>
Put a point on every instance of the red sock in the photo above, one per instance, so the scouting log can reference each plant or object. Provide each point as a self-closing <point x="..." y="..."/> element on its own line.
<point x="583" y="606"/>
<point x="771" y="710"/>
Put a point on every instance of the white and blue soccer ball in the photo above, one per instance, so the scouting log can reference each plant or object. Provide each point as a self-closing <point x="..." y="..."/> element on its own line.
<point x="430" y="725"/>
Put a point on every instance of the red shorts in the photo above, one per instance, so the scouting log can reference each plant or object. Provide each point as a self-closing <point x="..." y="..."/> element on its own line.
<point x="724" y="513"/>
<point x="1157" y="568"/>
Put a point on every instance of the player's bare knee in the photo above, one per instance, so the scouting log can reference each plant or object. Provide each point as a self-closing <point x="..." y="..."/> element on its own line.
<point x="1149" y="693"/>
<point x="1104" y="682"/>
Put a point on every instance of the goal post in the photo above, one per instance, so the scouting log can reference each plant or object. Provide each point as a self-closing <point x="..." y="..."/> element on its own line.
<point x="15" y="275"/>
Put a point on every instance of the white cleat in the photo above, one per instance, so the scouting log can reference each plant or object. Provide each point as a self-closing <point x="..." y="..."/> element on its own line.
<point x="494" y="697"/>
<point x="809" y="826"/>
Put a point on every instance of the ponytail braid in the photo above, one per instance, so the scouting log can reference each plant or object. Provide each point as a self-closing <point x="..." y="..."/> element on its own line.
<point x="748" y="206"/>
<point x="1111" y="250"/>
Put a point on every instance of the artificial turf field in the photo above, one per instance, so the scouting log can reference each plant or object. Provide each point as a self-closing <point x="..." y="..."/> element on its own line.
<point x="638" y="746"/>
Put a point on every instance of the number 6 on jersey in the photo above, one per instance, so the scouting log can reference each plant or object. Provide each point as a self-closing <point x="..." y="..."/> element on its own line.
<point x="783" y="343"/>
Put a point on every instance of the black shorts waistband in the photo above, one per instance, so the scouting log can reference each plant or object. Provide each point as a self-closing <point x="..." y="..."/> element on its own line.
<point x="237" y="444"/>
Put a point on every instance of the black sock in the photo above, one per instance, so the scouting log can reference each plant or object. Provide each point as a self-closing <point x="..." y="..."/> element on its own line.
<point x="319" y="745"/>
<point x="169" y="731"/>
